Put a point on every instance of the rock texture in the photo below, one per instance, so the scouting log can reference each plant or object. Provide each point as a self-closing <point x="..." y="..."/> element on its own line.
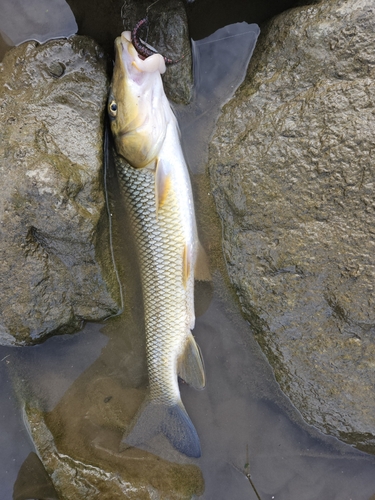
<point x="168" y="33"/>
<point x="55" y="263"/>
<point x="293" y="175"/>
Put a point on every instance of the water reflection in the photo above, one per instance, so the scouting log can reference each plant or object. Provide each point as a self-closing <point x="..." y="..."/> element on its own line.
<point x="39" y="20"/>
<point x="93" y="381"/>
<point x="220" y="63"/>
<point x="46" y="371"/>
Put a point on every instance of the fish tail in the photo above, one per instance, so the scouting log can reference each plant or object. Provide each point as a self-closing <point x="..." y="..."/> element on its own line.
<point x="172" y="421"/>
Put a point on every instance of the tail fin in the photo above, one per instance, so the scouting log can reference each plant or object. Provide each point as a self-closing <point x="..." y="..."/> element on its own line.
<point x="172" y="421"/>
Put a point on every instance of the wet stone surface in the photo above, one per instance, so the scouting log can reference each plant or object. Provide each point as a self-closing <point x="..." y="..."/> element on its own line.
<point x="168" y="33"/>
<point x="293" y="180"/>
<point x="55" y="262"/>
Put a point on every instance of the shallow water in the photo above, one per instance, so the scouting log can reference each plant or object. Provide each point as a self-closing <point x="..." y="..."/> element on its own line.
<point x="254" y="443"/>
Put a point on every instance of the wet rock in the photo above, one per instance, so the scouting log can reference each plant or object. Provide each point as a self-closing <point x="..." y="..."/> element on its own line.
<point x="293" y="178"/>
<point x="168" y="33"/>
<point x="55" y="263"/>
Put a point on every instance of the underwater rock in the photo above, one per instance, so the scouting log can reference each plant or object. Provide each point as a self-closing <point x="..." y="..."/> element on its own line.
<point x="33" y="481"/>
<point x="293" y="179"/>
<point x="82" y="457"/>
<point x="55" y="262"/>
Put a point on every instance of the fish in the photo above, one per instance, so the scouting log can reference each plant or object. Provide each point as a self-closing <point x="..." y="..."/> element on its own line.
<point x="156" y="188"/>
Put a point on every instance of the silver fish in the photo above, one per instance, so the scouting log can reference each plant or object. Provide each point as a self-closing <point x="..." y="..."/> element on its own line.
<point x="157" y="191"/>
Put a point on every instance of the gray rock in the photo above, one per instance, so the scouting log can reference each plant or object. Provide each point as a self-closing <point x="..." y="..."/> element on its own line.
<point x="169" y="34"/>
<point x="55" y="263"/>
<point x="293" y="178"/>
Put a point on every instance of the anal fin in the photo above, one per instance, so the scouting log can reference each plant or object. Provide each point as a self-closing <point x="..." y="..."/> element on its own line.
<point x="190" y="364"/>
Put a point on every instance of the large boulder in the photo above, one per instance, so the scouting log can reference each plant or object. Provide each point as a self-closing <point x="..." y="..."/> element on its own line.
<point x="55" y="261"/>
<point x="293" y="178"/>
<point x="167" y="32"/>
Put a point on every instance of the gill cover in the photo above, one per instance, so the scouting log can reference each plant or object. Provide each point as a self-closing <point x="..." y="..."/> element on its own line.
<point x="136" y="104"/>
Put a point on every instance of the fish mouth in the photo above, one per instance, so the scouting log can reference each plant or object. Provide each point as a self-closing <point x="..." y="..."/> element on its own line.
<point x="134" y="64"/>
<point x="140" y="125"/>
<point x="125" y="53"/>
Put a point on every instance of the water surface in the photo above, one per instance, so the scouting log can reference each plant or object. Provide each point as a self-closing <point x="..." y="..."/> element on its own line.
<point x="254" y="442"/>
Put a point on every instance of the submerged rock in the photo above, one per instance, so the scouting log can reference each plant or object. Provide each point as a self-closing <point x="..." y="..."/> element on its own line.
<point x="293" y="180"/>
<point x="82" y="454"/>
<point x="33" y="481"/>
<point x="77" y="422"/>
<point x="55" y="261"/>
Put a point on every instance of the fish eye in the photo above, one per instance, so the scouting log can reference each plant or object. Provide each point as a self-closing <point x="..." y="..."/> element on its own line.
<point x="112" y="108"/>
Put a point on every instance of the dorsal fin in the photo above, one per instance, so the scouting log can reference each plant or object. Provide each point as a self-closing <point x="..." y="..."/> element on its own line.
<point x="190" y="364"/>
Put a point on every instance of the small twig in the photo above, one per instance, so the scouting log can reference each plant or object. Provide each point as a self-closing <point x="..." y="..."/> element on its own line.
<point x="5" y="357"/>
<point x="247" y="474"/>
<point x="252" y="485"/>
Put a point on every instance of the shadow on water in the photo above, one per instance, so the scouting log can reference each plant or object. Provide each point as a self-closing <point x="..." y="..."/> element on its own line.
<point x="88" y="386"/>
<point x="33" y="481"/>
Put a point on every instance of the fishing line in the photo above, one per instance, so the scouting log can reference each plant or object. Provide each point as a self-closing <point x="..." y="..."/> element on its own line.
<point x="105" y="173"/>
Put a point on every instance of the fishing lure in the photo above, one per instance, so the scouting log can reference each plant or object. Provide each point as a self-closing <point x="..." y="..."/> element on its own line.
<point x="144" y="49"/>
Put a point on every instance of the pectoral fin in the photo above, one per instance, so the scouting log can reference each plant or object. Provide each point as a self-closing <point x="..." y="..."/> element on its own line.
<point x="190" y="364"/>
<point x="162" y="184"/>
<point x="202" y="270"/>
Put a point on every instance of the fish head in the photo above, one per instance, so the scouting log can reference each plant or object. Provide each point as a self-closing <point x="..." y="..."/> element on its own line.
<point x="137" y="103"/>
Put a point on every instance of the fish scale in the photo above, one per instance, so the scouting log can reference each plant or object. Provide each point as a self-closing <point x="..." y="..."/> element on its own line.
<point x="157" y="192"/>
<point x="158" y="236"/>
